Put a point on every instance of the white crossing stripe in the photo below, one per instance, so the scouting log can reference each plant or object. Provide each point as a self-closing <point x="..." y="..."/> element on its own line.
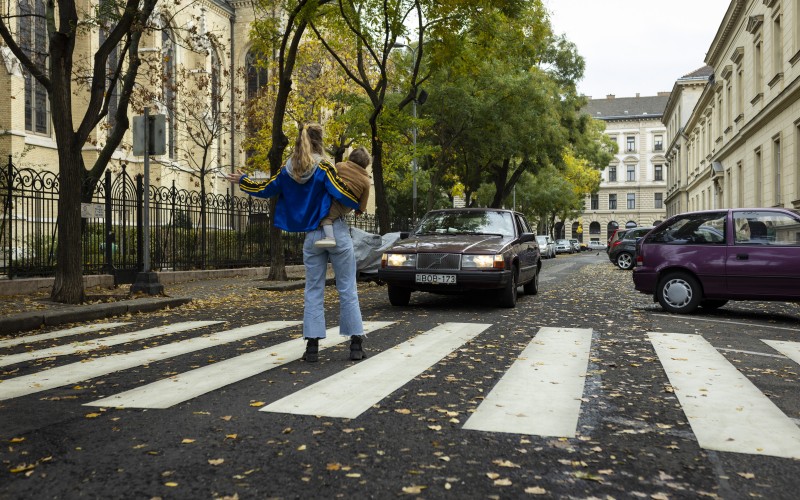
<point x="87" y="369"/>
<point x="59" y="333"/>
<point x="541" y="393"/>
<point x="726" y="411"/>
<point x="185" y="386"/>
<point x="351" y="392"/>
<point x="90" y="345"/>
<point x="789" y="349"/>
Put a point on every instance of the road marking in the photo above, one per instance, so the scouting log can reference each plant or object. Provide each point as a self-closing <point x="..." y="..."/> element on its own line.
<point x="752" y="325"/>
<point x="353" y="391"/>
<point x="754" y="353"/>
<point x="59" y="333"/>
<point x="91" y="345"/>
<point x="185" y="386"/>
<point x="541" y="393"/>
<point x="87" y="369"/>
<point x="789" y="349"/>
<point x="726" y="411"/>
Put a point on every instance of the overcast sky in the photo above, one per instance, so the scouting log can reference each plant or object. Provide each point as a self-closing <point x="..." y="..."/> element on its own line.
<point x="635" y="46"/>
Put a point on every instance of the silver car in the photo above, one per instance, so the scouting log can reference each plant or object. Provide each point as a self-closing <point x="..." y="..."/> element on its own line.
<point x="564" y="246"/>
<point x="547" y="246"/>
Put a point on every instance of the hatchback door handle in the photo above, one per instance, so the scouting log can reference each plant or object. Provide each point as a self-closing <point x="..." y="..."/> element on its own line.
<point x="742" y="256"/>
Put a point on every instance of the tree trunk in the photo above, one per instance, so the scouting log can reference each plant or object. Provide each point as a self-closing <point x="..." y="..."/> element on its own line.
<point x="68" y="283"/>
<point x="381" y="204"/>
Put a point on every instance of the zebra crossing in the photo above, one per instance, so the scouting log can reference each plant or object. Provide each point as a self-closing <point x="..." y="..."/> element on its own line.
<point x="540" y="394"/>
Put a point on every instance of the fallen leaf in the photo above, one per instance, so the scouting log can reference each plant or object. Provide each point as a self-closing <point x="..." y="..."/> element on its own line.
<point x="171" y="484"/>
<point x="353" y="474"/>
<point x="187" y="441"/>
<point x="492" y="475"/>
<point x="413" y="490"/>
<point x="216" y="461"/>
<point x="435" y="427"/>
<point x="16" y="440"/>
<point x="403" y="411"/>
<point x="535" y="490"/>
<point x="334" y="466"/>
<point x="258" y="403"/>
<point x="504" y="463"/>
<point x="92" y="415"/>
<point x="503" y="482"/>
<point x="230" y="436"/>
<point x="746" y="475"/>
<point x="302" y="447"/>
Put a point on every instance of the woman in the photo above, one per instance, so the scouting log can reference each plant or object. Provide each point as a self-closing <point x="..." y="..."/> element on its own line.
<point x="305" y="187"/>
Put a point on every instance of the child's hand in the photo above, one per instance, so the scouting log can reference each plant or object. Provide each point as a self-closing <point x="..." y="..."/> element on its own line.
<point x="234" y="177"/>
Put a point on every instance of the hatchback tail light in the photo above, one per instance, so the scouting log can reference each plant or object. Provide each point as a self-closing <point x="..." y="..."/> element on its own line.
<point x="616" y="243"/>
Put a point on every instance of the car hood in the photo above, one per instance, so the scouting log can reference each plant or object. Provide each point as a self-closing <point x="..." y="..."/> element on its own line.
<point x="452" y="243"/>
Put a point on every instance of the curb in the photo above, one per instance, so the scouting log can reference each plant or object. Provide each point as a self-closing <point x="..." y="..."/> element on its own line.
<point x="283" y="286"/>
<point x="72" y="314"/>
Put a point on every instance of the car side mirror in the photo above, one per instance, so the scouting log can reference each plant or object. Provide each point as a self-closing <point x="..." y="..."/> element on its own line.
<point x="525" y="237"/>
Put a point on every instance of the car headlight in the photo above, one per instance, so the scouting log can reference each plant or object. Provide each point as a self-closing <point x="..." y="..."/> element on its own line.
<point x="399" y="260"/>
<point x="482" y="262"/>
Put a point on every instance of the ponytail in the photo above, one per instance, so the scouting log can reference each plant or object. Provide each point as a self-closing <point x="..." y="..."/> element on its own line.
<point x="307" y="148"/>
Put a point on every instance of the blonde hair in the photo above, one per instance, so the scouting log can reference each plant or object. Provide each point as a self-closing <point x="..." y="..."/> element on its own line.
<point x="308" y="145"/>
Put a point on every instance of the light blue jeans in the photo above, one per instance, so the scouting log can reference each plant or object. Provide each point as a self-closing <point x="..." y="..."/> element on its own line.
<point x="342" y="258"/>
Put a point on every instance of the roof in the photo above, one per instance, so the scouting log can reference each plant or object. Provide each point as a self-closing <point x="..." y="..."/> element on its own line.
<point x="703" y="72"/>
<point x="627" y="107"/>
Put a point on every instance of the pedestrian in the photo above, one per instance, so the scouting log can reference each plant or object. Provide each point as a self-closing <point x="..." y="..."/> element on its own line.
<point x="354" y="173"/>
<point x="305" y="186"/>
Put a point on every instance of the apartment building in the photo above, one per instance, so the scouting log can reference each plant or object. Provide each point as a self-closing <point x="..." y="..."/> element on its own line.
<point x="633" y="185"/>
<point x="180" y="47"/>
<point x="741" y="141"/>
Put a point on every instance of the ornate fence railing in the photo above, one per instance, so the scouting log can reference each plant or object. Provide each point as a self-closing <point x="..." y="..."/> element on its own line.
<point x="188" y="230"/>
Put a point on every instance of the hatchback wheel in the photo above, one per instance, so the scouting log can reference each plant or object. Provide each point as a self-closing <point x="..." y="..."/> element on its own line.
<point x="508" y="297"/>
<point x="399" y="296"/>
<point x="625" y="261"/>
<point x="679" y="293"/>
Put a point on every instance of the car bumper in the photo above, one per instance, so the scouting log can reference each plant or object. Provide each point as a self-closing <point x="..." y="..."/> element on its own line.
<point x="469" y="280"/>
<point x="645" y="280"/>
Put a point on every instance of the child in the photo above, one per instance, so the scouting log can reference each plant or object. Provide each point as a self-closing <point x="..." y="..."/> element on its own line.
<point x="354" y="173"/>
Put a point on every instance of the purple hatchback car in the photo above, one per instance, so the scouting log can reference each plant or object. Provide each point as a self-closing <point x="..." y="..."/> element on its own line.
<point x="707" y="258"/>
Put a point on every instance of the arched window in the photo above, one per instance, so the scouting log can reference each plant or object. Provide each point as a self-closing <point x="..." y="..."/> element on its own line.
<point x="169" y="97"/>
<point x="630" y="224"/>
<point x="256" y="73"/>
<point x="577" y="231"/>
<point x="33" y="41"/>
<point x="594" y="228"/>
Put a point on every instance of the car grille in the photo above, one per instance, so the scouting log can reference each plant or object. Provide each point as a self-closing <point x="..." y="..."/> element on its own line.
<point x="439" y="261"/>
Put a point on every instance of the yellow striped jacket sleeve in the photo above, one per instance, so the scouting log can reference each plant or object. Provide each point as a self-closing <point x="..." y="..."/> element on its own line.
<point x="340" y="190"/>
<point x="258" y="188"/>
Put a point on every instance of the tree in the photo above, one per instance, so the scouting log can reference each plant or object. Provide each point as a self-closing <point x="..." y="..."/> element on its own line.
<point x="53" y="66"/>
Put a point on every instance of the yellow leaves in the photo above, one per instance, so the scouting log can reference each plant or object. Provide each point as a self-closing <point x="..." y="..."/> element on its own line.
<point x="302" y="447"/>
<point x="171" y="484"/>
<point x="414" y="489"/>
<point x="231" y="436"/>
<point x="492" y="475"/>
<point x="256" y="404"/>
<point x="403" y="411"/>
<point x="746" y="475"/>
<point x="287" y="430"/>
<point x="16" y="440"/>
<point x="334" y="466"/>
<point x="92" y="415"/>
<point x="22" y="468"/>
<point x="187" y="441"/>
<point x="435" y="427"/>
<point x="505" y="463"/>
<point x="535" y="490"/>
<point x="216" y="461"/>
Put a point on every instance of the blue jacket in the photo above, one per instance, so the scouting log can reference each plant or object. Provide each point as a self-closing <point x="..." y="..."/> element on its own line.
<point x="302" y="204"/>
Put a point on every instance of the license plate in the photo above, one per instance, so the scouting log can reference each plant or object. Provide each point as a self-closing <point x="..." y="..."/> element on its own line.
<point x="437" y="279"/>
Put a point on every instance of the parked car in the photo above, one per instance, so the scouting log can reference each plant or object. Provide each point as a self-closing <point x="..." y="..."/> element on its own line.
<point x="703" y="259"/>
<point x="596" y="245"/>
<point x="547" y="246"/>
<point x="576" y="245"/>
<point x="461" y="250"/>
<point x="623" y="251"/>
<point x="615" y="236"/>
<point x="564" y="246"/>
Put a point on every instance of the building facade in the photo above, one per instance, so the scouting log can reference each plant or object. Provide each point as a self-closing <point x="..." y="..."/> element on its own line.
<point x="684" y="98"/>
<point x="633" y="185"/>
<point x="743" y="136"/>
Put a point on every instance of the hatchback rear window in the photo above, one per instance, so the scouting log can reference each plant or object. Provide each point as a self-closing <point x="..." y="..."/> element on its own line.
<point x="699" y="229"/>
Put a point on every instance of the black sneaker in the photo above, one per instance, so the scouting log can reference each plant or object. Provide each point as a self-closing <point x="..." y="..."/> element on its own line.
<point x="312" y="351"/>
<point x="356" y="350"/>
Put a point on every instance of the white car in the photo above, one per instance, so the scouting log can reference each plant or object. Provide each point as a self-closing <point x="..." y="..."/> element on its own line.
<point x="564" y="246"/>
<point x="597" y="245"/>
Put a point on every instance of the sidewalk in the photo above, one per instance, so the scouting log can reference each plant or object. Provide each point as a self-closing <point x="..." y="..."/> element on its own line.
<point x="32" y="310"/>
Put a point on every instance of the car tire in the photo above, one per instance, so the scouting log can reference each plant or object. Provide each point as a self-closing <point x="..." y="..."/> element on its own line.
<point x="679" y="293"/>
<point x="399" y="296"/>
<point x="624" y="261"/>
<point x="508" y="296"/>
<point x="532" y="287"/>
<point x="711" y="304"/>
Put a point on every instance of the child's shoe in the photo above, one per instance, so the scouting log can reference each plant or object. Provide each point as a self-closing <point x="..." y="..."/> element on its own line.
<point x="325" y="243"/>
<point x="312" y="351"/>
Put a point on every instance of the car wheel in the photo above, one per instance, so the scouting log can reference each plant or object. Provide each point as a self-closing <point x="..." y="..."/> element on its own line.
<point x="508" y="296"/>
<point x="399" y="296"/>
<point x="532" y="287"/>
<point x="713" y="303"/>
<point x="625" y="261"/>
<point x="679" y="293"/>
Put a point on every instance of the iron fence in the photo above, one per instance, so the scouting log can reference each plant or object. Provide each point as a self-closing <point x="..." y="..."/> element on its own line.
<point x="188" y="230"/>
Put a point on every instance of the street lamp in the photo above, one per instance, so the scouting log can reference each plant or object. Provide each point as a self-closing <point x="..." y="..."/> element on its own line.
<point x="419" y="97"/>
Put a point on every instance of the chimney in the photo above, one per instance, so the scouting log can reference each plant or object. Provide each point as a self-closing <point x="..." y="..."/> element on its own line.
<point x="610" y="96"/>
<point x="637" y="95"/>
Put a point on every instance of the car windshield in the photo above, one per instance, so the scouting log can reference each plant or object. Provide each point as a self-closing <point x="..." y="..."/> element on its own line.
<point x="467" y="222"/>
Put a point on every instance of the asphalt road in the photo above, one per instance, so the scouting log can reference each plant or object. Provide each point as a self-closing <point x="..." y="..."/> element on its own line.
<point x="585" y="390"/>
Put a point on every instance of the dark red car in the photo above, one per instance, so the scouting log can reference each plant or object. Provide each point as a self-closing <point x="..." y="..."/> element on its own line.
<point x="703" y="259"/>
<point x="460" y="250"/>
